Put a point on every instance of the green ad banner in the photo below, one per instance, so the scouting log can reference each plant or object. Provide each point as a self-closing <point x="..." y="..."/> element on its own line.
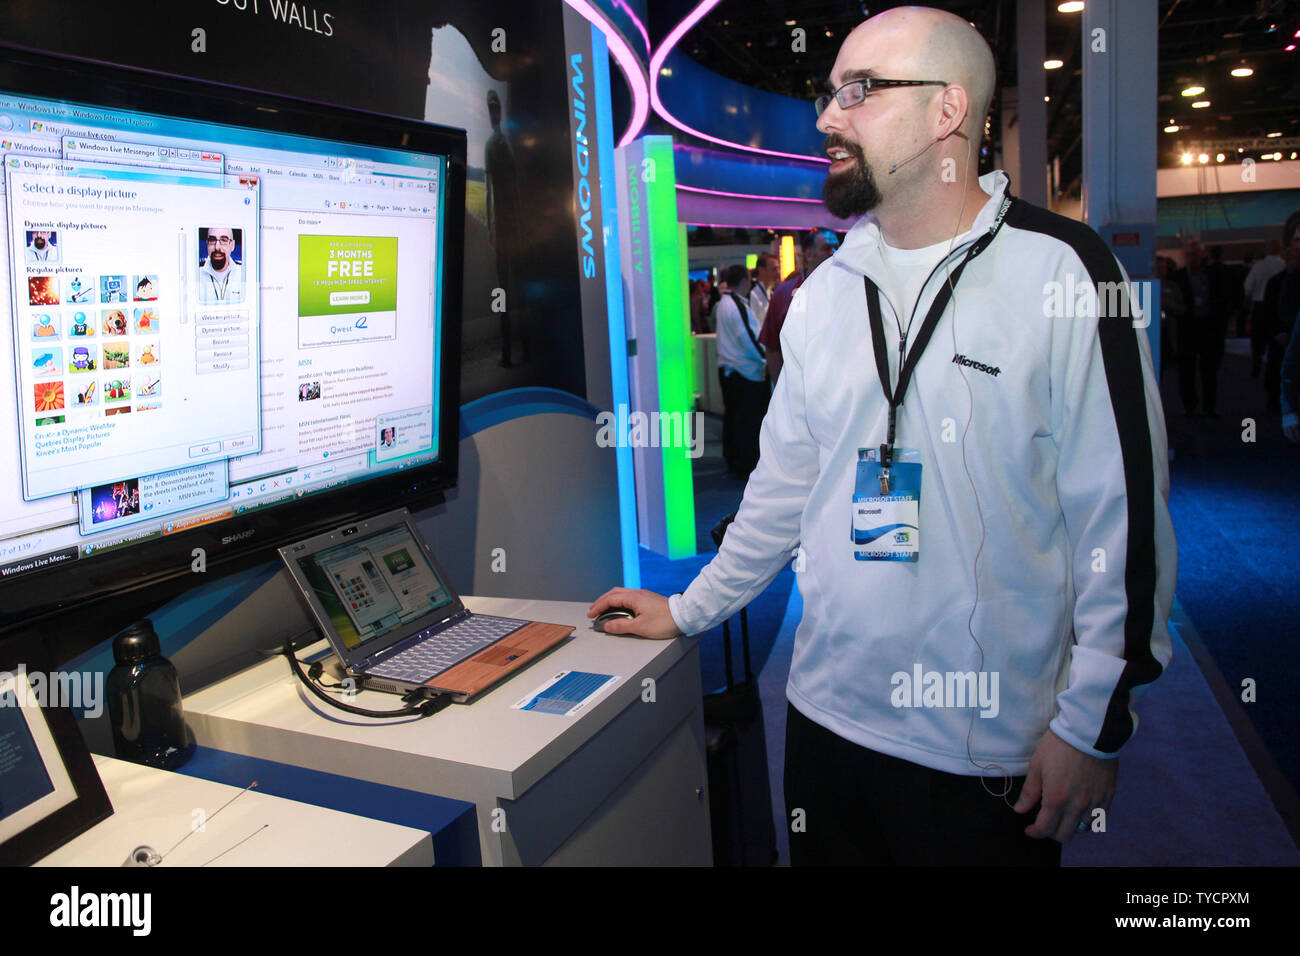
<point x="343" y="275"/>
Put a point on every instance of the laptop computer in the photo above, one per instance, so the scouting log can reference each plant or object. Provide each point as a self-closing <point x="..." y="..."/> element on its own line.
<point x="380" y="598"/>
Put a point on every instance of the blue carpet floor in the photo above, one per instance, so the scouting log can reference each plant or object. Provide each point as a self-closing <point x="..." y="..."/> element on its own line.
<point x="1236" y="512"/>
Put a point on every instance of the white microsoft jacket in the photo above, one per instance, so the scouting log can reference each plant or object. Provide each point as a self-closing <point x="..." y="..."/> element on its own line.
<point x="1065" y="485"/>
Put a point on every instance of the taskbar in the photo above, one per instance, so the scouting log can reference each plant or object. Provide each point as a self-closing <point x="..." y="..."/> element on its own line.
<point x="237" y="504"/>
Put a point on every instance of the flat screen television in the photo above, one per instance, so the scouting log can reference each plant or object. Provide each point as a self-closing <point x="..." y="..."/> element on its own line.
<point x="233" y="321"/>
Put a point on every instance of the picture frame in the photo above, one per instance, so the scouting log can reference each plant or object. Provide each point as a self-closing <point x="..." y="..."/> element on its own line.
<point x="50" y="791"/>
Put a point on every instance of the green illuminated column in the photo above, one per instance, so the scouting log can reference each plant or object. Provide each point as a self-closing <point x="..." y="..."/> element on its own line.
<point x="662" y="429"/>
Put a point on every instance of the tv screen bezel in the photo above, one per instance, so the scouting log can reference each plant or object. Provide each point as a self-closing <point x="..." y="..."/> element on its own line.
<point x="243" y="540"/>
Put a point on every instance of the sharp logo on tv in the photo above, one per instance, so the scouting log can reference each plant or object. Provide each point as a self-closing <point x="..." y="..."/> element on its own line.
<point x="287" y="11"/>
<point x="231" y="538"/>
<point x="582" y="157"/>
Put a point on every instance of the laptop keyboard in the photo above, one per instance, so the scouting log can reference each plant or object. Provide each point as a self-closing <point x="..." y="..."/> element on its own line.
<point x="430" y="656"/>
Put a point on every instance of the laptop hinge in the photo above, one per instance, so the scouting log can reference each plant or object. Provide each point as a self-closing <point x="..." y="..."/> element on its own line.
<point x="393" y="648"/>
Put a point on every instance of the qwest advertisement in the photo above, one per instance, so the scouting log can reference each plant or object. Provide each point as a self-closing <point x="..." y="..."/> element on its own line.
<point x="347" y="289"/>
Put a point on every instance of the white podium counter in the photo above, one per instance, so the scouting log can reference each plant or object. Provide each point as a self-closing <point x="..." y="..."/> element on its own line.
<point x="623" y="782"/>
<point x="178" y="816"/>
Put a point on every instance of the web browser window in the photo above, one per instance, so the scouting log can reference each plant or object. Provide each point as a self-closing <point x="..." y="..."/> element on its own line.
<point x="203" y="320"/>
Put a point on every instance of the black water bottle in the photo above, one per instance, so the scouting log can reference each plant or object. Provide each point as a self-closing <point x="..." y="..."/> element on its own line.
<point x="144" y="701"/>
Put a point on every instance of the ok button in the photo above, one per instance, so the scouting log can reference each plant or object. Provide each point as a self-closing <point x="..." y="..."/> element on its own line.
<point x="207" y="448"/>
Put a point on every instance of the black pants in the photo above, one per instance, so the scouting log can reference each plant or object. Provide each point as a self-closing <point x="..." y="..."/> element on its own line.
<point x="744" y="404"/>
<point x="1261" y="330"/>
<point x="1273" y="376"/>
<point x="1200" y="350"/>
<point x="863" y="808"/>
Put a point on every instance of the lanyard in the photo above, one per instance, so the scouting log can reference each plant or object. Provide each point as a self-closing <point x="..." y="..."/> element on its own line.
<point x="907" y="359"/>
<point x="219" y="293"/>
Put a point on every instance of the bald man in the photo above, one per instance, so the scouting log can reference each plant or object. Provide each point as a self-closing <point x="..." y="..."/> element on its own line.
<point x="973" y="636"/>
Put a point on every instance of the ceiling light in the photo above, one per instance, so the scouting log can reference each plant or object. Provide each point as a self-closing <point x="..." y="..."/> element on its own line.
<point x="1070" y="6"/>
<point x="1293" y="154"/>
<point x="1053" y="64"/>
<point x="1289" y="48"/>
<point x="1047" y="99"/>
<point x="1187" y="159"/>
<point x="1172" y="128"/>
<point x="1274" y="135"/>
<point x="790" y="23"/>
<point x="1220" y="158"/>
<point x="1242" y="71"/>
<point x="1203" y="158"/>
<point x="1200" y="104"/>
<point x="1194" y="91"/>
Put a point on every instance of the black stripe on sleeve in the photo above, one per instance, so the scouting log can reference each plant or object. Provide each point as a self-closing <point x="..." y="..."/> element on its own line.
<point x="1122" y="362"/>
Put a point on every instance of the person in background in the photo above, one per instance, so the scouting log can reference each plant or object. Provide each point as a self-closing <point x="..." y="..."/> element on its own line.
<point x="742" y="374"/>
<point x="505" y="213"/>
<point x="816" y="247"/>
<point x="699" y="296"/>
<point x="765" y="279"/>
<point x="711" y="303"/>
<point x="1200" y="348"/>
<point x="1230" y="279"/>
<point x="1280" y="304"/>
<point x="1253" y="292"/>
<point x="1290" y="387"/>
<point x="1172" y="310"/>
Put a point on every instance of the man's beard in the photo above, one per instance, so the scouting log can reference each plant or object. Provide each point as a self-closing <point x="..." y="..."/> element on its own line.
<point x="39" y="242"/>
<point x="218" y="260"/>
<point x="849" y="194"/>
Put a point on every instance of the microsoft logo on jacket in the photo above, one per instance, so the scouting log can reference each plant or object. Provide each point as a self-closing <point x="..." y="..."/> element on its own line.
<point x="960" y="359"/>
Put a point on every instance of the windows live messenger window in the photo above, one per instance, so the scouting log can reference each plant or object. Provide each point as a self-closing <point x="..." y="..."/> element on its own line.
<point x="203" y="320"/>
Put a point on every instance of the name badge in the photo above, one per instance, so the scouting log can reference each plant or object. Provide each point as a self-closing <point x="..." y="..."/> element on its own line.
<point x="887" y="527"/>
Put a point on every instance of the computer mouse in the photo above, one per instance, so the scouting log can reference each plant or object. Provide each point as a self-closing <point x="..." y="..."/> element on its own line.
<point x="611" y="614"/>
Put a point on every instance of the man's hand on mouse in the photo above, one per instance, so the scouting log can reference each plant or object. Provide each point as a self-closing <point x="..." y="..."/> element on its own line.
<point x="653" y="619"/>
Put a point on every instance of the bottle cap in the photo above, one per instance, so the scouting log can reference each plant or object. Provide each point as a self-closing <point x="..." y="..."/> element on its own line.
<point x="139" y="642"/>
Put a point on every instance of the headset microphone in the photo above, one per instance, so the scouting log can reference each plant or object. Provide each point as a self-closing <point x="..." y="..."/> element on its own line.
<point x="915" y="155"/>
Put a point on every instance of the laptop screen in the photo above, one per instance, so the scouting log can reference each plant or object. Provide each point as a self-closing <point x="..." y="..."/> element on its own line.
<point x="374" y="585"/>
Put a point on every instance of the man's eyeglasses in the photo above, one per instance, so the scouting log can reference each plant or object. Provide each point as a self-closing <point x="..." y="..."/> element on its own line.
<point x="853" y="93"/>
<point x="221" y="240"/>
